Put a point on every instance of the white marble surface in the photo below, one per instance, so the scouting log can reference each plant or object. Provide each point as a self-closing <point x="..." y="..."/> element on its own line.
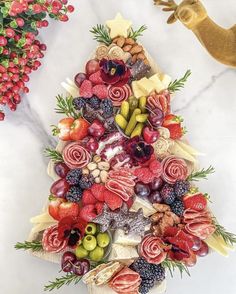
<point x="208" y="104"/>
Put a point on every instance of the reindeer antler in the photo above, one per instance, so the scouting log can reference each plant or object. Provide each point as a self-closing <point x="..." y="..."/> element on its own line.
<point x="170" y="5"/>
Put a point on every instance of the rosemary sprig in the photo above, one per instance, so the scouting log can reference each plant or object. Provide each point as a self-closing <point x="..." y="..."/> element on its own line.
<point x="228" y="237"/>
<point x="172" y="265"/>
<point x="64" y="280"/>
<point x="34" y="245"/>
<point x="101" y="34"/>
<point x="138" y="33"/>
<point x="176" y="85"/>
<point x="53" y="154"/>
<point x="202" y="174"/>
<point x="65" y="106"/>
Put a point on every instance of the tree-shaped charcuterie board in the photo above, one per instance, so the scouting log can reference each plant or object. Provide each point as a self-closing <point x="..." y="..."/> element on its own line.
<point x="123" y="208"/>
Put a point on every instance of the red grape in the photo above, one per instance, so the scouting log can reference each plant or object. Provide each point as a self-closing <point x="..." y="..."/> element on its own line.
<point x="59" y="188"/>
<point x="79" y="78"/>
<point x="92" y="66"/>
<point x="61" y="169"/>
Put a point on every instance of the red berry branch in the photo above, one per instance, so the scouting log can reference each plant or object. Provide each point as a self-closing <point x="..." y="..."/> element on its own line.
<point x="20" y="49"/>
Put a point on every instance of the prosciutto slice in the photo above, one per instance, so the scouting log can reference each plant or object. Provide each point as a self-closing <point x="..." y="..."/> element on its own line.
<point x="199" y="223"/>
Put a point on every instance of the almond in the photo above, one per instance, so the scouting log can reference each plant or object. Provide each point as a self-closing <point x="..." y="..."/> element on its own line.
<point x="141" y="56"/>
<point x="146" y="61"/>
<point x="115" y="40"/>
<point x="127" y="48"/>
<point x="120" y="42"/>
<point x="134" y="58"/>
<point x="129" y="41"/>
<point x="136" y="49"/>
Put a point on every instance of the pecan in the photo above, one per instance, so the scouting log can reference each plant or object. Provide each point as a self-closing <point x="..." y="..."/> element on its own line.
<point x="161" y="207"/>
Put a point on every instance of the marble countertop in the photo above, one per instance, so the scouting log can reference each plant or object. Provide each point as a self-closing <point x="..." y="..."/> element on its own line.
<point x="208" y="104"/>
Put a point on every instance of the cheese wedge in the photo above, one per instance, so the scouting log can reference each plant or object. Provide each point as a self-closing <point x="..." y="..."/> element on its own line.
<point x="146" y="85"/>
<point x="188" y="148"/>
<point x="122" y="253"/>
<point x="147" y="207"/>
<point x="136" y="90"/>
<point x="166" y="80"/>
<point x="177" y="150"/>
<point x="42" y="218"/>
<point x="223" y="243"/>
<point x="121" y="238"/>
<point x="71" y="88"/>
<point x="41" y="227"/>
<point x="214" y="244"/>
<point x="158" y="85"/>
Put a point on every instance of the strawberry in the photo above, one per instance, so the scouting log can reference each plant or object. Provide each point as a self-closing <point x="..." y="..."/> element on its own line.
<point x="79" y="129"/>
<point x="63" y="129"/>
<point x="176" y="131"/>
<point x="96" y="78"/>
<point x="53" y="207"/>
<point x="130" y="202"/>
<point x="99" y="207"/>
<point x="98" y="191"/>
<point x="88" y="212"/>
<point x="86" y="89"/>
<point x="100" y="91"/>
<point x="68" y="209"/>
<point x="196" y="201"/>
<point x="88" y="198"/>
<point x="112" y="200"/>
<point x="172" y="119"/>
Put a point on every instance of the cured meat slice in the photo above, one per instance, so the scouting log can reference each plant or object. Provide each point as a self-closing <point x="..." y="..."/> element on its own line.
<point x="174" y="169"/>
<point x="51" y="242"/>
<point x="76" y="156"/>
<point x="118" y="94"/>
<point x="126" y="281"/>
<point x="161" y="101"/>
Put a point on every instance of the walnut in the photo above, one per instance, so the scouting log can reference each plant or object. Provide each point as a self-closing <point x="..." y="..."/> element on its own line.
<point x="163" y="219"/>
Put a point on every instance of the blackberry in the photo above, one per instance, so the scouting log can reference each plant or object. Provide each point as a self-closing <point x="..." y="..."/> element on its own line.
<point x="107" y="107"/>
<point x="74" y="176"/>
<point x="157" y="272"/>
<point x="177" y="207"/>
<point x="94" y="102"/>
<point x="74" y="194"/>
<point x="146" y="285"/>
<point x="86" y="181"/>
<point x="181" y="188"/>
<point x="168" y="194"/>
<point x="142" y="267"/>
<point x="79" y="103"/>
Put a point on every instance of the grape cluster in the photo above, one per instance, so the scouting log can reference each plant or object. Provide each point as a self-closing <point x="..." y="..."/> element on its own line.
<point x="20" y="50"/>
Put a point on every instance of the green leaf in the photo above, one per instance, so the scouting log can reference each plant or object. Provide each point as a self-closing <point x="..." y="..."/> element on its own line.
<point x="53" y="154"/>
<point x="176" y="85"/>
<point x="228" y="237"/>
<point x="202" y="174"/>
<point x="172" y="265"/>
<point x="64" y="280"/>
<point x="34" y="246"/>
<point x="138" y="33"/>
<point x="65" y="106"/>
<point x="101" y="34"/>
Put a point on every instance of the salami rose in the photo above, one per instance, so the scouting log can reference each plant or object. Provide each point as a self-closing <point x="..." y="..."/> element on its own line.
<point x="50" y="240"/>
<point x="161" y="101"/>
<point x="126" y="281"/>
<point x="76" y="156"/>
<point x="152" y="249"/>
<point x="174" y="169"/>
<point x="119" y="94"/>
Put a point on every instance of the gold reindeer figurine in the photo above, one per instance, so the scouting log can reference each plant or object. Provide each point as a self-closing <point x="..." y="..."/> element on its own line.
<point x="219" y="42"/>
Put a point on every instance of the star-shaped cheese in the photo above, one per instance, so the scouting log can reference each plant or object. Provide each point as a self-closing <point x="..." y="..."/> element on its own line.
<point x="119" y="26"/>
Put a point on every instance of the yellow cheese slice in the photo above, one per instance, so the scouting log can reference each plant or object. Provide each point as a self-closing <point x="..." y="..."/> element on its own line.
<point x="158" y="85"/>
<point x="188" y="148"/>
<point x="146" y="85"/>
<point x="42" y="218"/>
<point x="136" y="90"/>
<point x="165" y="79"/>
<point x="214" y="244"/>
<point x="177" y="150"/>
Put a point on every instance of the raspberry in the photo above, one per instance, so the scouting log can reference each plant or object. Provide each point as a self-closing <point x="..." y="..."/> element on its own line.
<point x="88" y="198"/>
<point x="96" y="78"/>
<point x="88" y="212"/>
<point x="112" y="200"/>
<point x="144" y="175"/>
<point x="156" y="168"/>
<point x="168" y="194"/>
<point x="100" y="91"/>
<point x="99" y="207"/>
<point x="98" y="191"/>
<point x="86" y="89"/>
